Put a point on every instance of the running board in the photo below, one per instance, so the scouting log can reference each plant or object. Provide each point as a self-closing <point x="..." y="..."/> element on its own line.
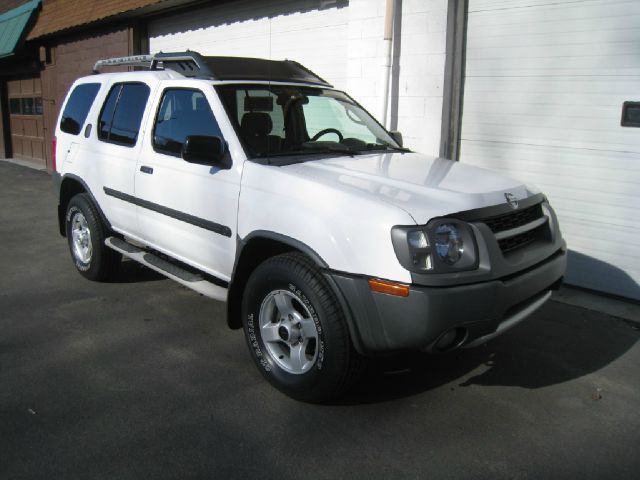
<point x="184" y="277"/>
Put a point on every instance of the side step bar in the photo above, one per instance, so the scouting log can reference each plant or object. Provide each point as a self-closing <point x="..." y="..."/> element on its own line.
<point x="168" y="269"/>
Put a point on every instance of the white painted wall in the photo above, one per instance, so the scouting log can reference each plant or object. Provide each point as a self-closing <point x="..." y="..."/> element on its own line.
<point x="340" y="41"/>
<point x="545" y="83"/>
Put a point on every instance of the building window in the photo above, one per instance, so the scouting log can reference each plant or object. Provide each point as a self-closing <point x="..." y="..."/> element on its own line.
<point x="25" y="106"/>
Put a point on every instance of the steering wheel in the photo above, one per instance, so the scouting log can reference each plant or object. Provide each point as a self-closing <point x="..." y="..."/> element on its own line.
<point x="325" y="131"/>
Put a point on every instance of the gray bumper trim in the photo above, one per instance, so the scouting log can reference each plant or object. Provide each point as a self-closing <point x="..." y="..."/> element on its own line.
<point x="384" y="323"/>
<point x="513" y="320"/>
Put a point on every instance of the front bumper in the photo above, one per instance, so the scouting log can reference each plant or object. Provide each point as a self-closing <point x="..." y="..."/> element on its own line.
<point x="382" y="323"/>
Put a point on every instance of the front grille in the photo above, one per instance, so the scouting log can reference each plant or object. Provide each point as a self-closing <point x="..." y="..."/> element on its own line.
<point x="513" y="219"/>
<point x="519" y="241"/>
<point x="517" y="219"/>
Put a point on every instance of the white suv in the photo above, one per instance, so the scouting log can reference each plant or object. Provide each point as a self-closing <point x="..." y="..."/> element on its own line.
<point x="256" y="183"/>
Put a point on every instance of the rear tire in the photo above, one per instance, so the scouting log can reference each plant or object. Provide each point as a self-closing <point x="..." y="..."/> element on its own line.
<point x="296" y="330"/>
<point x="86" y="234"/>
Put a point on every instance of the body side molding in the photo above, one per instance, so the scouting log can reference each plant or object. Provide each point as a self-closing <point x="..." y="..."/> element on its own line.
<point x="170" y="212"/>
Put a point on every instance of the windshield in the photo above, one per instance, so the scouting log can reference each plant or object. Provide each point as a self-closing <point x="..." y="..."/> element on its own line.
<point x="285" y="120"/>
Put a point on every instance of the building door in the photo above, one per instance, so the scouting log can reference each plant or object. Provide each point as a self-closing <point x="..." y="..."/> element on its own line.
<point x="544" y="90"/>
<point x="26" y="120"/>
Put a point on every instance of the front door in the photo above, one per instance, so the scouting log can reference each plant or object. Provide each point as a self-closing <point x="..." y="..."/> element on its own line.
<point x="186" y="210"/>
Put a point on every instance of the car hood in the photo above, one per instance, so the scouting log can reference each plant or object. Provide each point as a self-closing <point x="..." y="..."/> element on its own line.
<point x="425" y="187"/>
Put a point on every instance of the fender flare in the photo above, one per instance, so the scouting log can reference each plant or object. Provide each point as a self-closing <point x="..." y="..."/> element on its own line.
<point x="239" y="278"/>
<point x="63" y="207"/>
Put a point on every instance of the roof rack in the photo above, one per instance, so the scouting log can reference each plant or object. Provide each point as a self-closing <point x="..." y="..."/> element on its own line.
<point x="133" y="61"/>
<point x="189" y="64"/>
<point x="192" y="64"/>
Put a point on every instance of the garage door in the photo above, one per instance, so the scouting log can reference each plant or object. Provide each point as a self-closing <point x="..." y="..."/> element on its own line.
<point x="544" y="89"/>
<point x="301" y="31"/>
<point x="26" y="120"/>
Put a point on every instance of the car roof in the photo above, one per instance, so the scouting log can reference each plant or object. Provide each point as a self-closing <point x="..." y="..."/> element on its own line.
<point x="219" y="68"/>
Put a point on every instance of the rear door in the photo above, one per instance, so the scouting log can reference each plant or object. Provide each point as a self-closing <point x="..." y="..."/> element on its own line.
<point x="108" y="158"/>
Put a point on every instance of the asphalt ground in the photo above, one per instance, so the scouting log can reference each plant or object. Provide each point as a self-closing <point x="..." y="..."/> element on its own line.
<point x="140" y="378"/>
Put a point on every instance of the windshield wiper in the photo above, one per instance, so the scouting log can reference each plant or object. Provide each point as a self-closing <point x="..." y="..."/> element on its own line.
<point x="307" y="151"/>
<point x="281" y="154"/>
<point x="332" y="149"/>
<point x="385" y="146"/>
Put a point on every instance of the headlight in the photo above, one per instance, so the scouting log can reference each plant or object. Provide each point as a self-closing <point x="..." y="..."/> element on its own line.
<point x="441" y="246"/>
<point x="449" y="243"/>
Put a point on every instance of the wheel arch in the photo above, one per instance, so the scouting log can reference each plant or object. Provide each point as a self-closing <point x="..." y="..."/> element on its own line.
<point x="257" y="247"/>
<point x="251" y="251"/>
<point x="70" y="186"/>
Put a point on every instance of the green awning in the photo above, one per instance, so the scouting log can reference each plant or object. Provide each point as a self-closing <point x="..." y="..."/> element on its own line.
<point x="12" y="25"/>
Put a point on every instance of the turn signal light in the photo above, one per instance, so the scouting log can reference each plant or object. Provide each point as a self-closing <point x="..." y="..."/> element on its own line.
<point x="390" y="288"/>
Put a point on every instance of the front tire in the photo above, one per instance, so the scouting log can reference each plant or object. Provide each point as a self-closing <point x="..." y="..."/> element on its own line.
<point x="86" y="234"/>
<point x="296" y="330"/>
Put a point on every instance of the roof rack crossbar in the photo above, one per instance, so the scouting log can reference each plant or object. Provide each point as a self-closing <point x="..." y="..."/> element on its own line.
<point x="189" y="64"/>
<point x="132" y="61"/>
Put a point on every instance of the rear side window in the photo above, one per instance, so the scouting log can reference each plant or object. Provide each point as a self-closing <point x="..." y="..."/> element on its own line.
<point x="183" y="112"/>
<point x="122" y="113"/>
<point x="77" y="107"/>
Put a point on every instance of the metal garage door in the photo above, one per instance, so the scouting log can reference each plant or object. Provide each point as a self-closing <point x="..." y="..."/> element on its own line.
<point x="544" y="88"/>
<point x="301" y="31"/>
<point x="25" y="114"/>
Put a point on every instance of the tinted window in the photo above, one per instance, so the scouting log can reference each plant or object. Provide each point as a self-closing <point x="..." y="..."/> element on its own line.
<point x="122" y="113"/>
<point x="77" y="108"/>
<point x="182" y="113"/>
<point x="106" y="116"/>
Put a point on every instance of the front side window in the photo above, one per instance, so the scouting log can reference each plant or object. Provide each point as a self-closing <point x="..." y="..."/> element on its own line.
<point x="122" y="113"/>
<point x="77" y="107"/>
<point x="290" y="120"/>
<point x="182" y="113"/>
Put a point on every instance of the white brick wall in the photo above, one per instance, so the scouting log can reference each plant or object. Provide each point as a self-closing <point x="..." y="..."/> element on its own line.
<point x="421" y="66"/>
<point x="342" y="43"/>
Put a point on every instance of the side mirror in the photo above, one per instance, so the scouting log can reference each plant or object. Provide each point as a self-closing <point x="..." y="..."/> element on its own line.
<point x="206" y="150"/>
<point x="397" y="136"/>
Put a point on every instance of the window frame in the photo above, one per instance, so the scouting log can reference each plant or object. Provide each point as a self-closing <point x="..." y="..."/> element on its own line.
<point x="115" y="109"/>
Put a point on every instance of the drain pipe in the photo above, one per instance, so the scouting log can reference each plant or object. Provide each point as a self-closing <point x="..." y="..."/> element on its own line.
<point x="388" y="57"/>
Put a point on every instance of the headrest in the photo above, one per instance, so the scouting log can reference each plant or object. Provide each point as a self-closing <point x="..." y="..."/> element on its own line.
<point x="256" y="123"/>
<point x="201" y="104"/>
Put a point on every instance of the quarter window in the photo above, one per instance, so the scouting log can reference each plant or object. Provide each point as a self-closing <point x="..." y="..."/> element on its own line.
<point x="182" y="112"/>
<point x="77" y="107"/>
<point x="122" y="113"/>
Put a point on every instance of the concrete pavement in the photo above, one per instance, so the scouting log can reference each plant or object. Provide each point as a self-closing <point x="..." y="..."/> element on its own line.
<point x="140" y="378"/>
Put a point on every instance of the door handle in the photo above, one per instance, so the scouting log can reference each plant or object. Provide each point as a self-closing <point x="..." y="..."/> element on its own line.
<point x="145" y="169"/>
